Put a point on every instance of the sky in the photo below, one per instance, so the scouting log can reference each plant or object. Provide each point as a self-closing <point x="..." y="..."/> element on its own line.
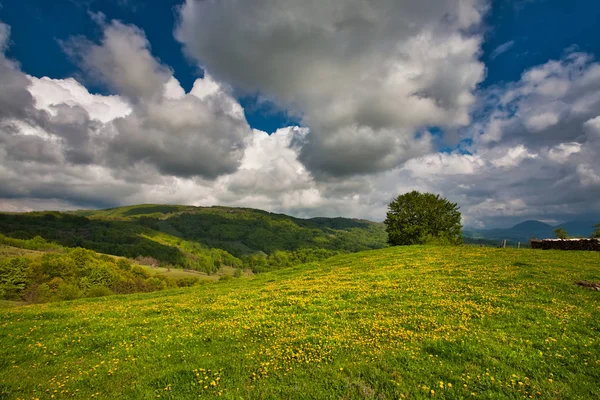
<point x="306" y="108"/>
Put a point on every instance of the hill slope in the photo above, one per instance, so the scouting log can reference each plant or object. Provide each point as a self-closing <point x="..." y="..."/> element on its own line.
<point x="202" y="238"/>
<point x="36" y="271"/>
<point x="412" y="322"/>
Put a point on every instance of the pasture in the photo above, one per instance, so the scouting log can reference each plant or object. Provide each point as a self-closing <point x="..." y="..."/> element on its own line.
<point x="405" y="322"/>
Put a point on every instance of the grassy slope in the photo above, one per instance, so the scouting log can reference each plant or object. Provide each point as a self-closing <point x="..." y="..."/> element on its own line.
<point x="411" y="322"/>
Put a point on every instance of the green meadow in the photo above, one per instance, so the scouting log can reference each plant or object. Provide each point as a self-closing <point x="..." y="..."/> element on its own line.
<point x="403" y="322"/>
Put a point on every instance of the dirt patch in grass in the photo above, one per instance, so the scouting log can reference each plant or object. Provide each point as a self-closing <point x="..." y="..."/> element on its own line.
<point x="589" y="285"/>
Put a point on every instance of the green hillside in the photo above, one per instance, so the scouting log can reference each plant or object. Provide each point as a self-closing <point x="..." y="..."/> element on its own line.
<point x="404" y="322"/>
<point x="244" y="231"/>
<point x="36" y="271"/>
<point x="200" y="238"/>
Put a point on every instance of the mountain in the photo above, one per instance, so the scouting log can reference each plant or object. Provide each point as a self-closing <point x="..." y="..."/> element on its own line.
<point x="200" y="238"/>
<point x="525" y="231"/>
<point x="530" y="229"/>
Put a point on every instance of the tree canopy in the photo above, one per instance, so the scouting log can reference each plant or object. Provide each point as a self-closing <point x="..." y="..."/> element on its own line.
<point x="596" y="233"/>
<point x="560" y="233"/>
<point x="420" y="218"/>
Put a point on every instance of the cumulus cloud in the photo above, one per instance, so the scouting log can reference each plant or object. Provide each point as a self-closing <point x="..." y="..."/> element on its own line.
<point x="547" y="106"/>
<point x="50" y="93"/>
<point x="364" y="76"/>
<point x="198" y="134"/>
<point x="539" y="139"/>
<point x="58" y="141"/>
<point x="122" y="61"/>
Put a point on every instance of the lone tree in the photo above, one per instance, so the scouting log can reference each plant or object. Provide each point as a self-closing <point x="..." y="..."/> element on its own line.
<point x="560" y="233"/>
<point x="596" y="233"/>
<point x="419" y="218"/>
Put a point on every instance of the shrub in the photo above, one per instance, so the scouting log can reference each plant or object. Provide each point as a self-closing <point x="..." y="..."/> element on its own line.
<point x="67" y="291"/>
<point x="98" y="291"/>
<point x="187" y="282"/>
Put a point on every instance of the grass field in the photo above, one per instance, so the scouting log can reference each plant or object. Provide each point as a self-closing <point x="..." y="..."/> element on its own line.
<point x="412" y="322"/>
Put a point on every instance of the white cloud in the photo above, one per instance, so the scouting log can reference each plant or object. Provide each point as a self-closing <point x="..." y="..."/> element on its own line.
<point x="122" y="61"/>
<point x="182" y="135"/>
<point x="588" y="175"/>
<point x="51" y="92"/>
<point x="563" y="151"/>
<point x="592" y="128"/>
<point x="513" y="157"/>
<point x="546" y="107"/>
<point x="444" y="164"/>
<point x="539" y="122"/>
<point x="364" y="76"/>
<point x="173" y="89"/>
<point x="503" y="48"/>
<point x="4" y="36"/>
<point x="59" y="143"/>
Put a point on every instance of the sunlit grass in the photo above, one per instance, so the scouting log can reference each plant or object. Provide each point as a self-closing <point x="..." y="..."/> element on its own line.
<point x="416" y="322"/>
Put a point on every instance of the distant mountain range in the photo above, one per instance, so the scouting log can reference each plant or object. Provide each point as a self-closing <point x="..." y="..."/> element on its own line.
<point x="524" y="231"/>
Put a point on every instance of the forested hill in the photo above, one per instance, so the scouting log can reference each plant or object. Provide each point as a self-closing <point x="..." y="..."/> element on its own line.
<point x="202" y="238"/>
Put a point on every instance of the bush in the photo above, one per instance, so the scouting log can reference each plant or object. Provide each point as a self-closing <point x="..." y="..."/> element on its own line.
<point x="155" y="284"/>
<point x="38" y="294"/>
<point x="98" y="291"/>
<point x="187" y="282"/>
<point x="67" y="291"/>
<point x="13" y="277"/>
<point x="123" y="264"/>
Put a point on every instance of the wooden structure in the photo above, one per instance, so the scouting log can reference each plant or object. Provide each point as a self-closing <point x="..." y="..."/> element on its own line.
<point x="566" y="244"/>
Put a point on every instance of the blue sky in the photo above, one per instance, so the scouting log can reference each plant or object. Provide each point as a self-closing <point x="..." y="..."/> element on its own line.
<point x="493" y="104"/>
<point x="541" y="30"/>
